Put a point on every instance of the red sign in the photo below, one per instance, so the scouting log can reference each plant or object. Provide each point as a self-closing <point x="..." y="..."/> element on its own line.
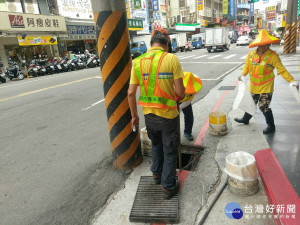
<point x="218" y="19"/>
<point x="241" y="29"/>
<point x="157" y="25"/>
<point x="16" y="21"/>
<point x="224" y="23"/>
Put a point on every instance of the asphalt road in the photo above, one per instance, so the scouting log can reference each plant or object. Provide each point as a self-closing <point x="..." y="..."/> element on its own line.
<point x="55" y="164"/>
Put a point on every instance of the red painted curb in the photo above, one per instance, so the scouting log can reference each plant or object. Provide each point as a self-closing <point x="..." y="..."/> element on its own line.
<point x="277" y="187"/>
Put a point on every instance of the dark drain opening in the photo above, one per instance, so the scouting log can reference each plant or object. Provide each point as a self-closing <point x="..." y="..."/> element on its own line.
<point x="190" y="156"/>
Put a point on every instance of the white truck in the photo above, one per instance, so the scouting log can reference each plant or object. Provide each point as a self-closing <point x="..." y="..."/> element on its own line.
<point x="146" y="38"/>
<point x="178" y="42"/>
<point x="217" y="39"/>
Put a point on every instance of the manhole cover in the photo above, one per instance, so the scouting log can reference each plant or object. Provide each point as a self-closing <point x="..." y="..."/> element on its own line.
<point x="227" y="88"/>
<point x="150" y="207"/>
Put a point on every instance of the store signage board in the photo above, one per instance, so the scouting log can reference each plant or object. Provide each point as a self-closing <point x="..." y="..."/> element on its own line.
<point x="252" y="9"/>
<point x="37" y="40"/>
<point x="225" y="7"/>
<point x="140" y="14"/>
<point x="186" y="27"/>
<point x="232" y="8"/>
<point x="200" y="5"/>
<point x="80" y="29"/>
<point x="17" y="22"/>
<point x="243" y="6"/>
<point x="155" y="5"/>
<point x="271" y="13"/>
<point x="81" y="9"/>
<point x="135" y="24"/>
<point x="157" y="16"/>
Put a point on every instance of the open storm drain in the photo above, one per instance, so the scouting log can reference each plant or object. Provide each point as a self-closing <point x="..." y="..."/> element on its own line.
<point x="190" y="156"/>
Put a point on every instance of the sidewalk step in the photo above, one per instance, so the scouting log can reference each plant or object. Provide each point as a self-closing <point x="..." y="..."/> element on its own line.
<point x="149" y="206"/>
<point x="277" y="187"/>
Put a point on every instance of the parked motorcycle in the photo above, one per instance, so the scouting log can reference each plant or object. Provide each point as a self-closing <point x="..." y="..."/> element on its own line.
<point x="57" y="66"/>
<point x="32" y="69"/>
<point x="91" y="61"/>
<point x="14" y="71"/>
<point x="2" y="75"/>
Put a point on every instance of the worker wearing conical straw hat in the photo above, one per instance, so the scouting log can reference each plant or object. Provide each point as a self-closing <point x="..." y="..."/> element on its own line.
<point x="192" y="86"/>
<point x="260" y="65"/>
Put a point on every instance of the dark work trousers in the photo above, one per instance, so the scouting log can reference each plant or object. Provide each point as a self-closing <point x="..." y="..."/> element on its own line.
<point x="263" y="100"/>
<point x="188" y="119"/>
<point x="163" y="134"/>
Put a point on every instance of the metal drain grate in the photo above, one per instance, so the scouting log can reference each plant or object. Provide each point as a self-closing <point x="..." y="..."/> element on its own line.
<point x="227" y="88"/>
<point x="150" y="207"/>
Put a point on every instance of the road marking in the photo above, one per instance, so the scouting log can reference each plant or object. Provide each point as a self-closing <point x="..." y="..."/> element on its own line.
<point x="224" y="74"/>
<point x="215" y="56"/>
<point x="198" y="57"/>
<point x="43" y="78"/>
<point x="96" y="103"/>
<point x="230" y="56"/>
<point x="45" y="89"/>
<point x="187" y="57"/>
<point x="244" y="57"/>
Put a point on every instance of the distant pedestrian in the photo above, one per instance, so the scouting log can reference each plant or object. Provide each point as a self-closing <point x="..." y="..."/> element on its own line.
<point x="159" y="75"/>
<point x="260" y="65"/>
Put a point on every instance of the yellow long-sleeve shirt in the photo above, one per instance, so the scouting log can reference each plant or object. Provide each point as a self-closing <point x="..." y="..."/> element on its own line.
<point x="275" y="62"/>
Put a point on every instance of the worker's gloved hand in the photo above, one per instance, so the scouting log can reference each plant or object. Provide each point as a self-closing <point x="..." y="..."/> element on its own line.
<point x="241" y="78"/>
<point x="295" y="84"/>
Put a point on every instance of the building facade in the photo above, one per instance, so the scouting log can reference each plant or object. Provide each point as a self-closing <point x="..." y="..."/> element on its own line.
<point x="27" y="30"/>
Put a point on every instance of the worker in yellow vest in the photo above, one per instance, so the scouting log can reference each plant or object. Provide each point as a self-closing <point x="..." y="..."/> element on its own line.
<point x="159" y="75"/>
<point x="192" y="86"/>
<point x="260" y="65"/>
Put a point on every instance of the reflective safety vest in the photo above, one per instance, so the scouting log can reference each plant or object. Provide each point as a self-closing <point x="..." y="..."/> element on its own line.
<point x="151" y="93"/>
<point x="260" y="75"/>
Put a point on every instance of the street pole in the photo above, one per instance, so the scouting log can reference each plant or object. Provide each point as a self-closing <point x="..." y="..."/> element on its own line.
<point x="288" y="27"/>
<point x="115" y="64"/>
<point x="293" y="32"/>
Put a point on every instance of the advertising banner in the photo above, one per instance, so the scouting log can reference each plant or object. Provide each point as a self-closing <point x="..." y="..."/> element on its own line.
<point x="81" y="9"/>
<point x="271" y="13"/>
<point x="252" y="9"/>
<point x="283" y="20"/>
<point x="279" y="21"/>
<point x="135" y="24"/>
<point x="199" y="5"/>
<point x="260" y="22"/>
<point x="232" y="8"/>
<point x="225" y="7"/>
<point x="243" y="6"/>
<point x="37" y="40"/>
<point x="155" y="5"/>
<point x="283" y="5"/>
<point x="204" y="23"/>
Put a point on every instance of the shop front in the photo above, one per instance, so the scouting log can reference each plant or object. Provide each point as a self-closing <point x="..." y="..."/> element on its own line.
<point x="81" y="37"/>
<point x="25" y="36"/>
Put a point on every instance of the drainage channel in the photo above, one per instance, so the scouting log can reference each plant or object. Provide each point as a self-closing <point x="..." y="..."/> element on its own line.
<point x="190" y="156"/>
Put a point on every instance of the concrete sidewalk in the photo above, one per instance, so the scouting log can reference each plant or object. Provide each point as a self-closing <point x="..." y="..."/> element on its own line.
<point x="202" y="184"/>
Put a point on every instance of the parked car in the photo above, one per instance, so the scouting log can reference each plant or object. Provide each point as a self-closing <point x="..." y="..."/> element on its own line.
<point x="243" y="40"/>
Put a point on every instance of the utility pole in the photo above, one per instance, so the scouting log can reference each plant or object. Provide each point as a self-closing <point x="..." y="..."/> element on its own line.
<point x="291" y="28"/>
<point x="115" y="64"/>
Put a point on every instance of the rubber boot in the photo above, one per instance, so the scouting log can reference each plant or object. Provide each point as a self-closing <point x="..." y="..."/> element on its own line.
<point x="245" y="119"/>
<point x="270" y="121"/>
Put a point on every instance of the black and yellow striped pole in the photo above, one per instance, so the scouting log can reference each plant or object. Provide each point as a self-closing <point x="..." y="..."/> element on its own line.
<point x="115" y="63"/>
<point x="293" y="37"/>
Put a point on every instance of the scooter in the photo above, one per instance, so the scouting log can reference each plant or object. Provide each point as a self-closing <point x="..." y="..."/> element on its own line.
<point x="188" y="47"/>
<point x="2" y="75"/>
<point x="91" y="62"/>
<point x="13" y="71"/>
<point x="32" y="69"/>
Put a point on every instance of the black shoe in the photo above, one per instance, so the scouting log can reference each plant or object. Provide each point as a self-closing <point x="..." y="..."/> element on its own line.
<point x="270" y="121"/>
<point x="168" y="194"/>
<point x="269" y="129"/>
<point x="245" y="119"/>
<point x="157" y="179"/>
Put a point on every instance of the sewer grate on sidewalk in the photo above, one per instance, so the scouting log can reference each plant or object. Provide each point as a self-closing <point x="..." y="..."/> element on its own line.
<point x="150" y="207"/>
<point x="227" y="88"/>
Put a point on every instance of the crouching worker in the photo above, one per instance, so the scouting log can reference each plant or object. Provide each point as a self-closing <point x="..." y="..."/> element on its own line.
<point x="159" y="75"/>
<point x="260" y="65"/>
<point x="192" y="86"/>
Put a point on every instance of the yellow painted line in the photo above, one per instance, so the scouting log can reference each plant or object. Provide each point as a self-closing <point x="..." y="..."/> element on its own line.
<point x="45" y="89"/>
